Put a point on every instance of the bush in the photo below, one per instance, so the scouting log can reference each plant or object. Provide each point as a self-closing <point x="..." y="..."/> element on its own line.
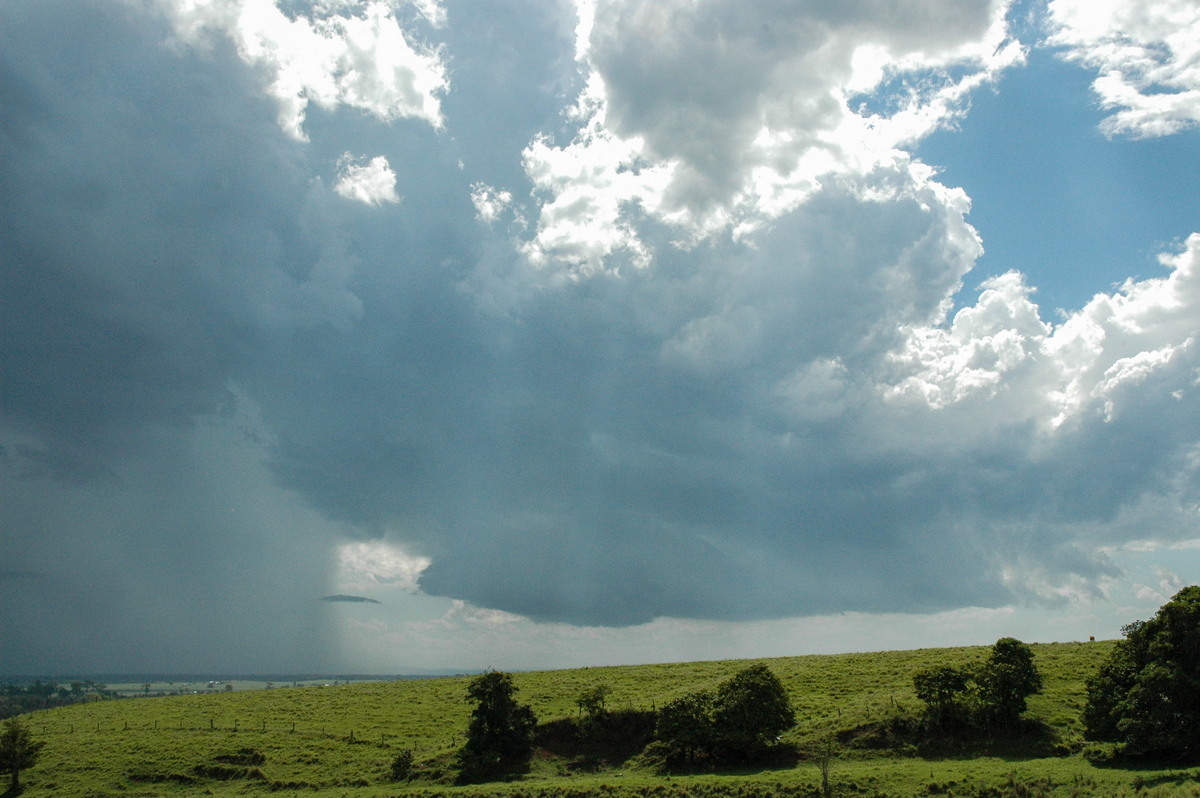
<point x="988" y="697"/>
<point x="943" y="689"/>
<point x="750" y="711"/>
<point x="685" y="726"/>
<point x="740" y="721"/>
<point x="402" y="766"/>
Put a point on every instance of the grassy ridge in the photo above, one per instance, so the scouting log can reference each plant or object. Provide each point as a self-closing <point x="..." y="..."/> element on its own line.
<point x="341" y="740"/>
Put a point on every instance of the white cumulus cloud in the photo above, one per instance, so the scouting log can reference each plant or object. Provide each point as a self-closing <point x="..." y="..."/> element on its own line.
<point x="1147" y="54"/>
<point x="717" y="115"/>
<point x="373" y="182"/>
<point x="363" y="60"/>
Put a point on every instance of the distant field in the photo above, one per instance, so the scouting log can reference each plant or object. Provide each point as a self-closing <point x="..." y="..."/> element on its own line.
<point x="339" y="740"/>
<point x="161" y="687"/>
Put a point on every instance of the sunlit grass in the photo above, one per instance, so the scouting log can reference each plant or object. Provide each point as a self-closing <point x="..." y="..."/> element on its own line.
<point x="328" y="741"/>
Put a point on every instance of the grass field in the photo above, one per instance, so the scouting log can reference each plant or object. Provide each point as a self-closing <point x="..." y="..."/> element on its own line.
<point x="340" y="740"/>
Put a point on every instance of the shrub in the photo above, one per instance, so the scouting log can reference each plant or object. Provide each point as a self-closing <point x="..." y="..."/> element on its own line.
<point x="402" y="765"/>
<point x="742" y="719"/>
<point x="750" y="711"/>
<point x="943" y="689"/>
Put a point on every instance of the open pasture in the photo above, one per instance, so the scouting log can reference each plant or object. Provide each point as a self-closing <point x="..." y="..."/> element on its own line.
<point x="341" y="740"/>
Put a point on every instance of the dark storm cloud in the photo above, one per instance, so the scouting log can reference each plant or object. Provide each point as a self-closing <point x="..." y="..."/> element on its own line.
<point x="216" y="369"/>
<point x="350" y="599"/>
<point x="149" y="235"/>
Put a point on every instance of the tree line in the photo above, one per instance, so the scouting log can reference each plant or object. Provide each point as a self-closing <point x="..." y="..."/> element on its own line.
<point x="18" y="699"/>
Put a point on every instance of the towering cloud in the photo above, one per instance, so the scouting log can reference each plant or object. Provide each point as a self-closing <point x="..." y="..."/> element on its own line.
<point x="633" y="311"/>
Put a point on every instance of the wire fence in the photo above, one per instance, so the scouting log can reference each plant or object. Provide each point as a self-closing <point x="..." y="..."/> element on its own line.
<point x="250" y="727"/>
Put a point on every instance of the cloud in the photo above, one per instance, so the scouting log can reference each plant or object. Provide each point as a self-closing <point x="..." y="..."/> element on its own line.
<point x="1147" y="56"/>
<point x="708" y="117"/>
<point x="364" y="564"/>
<point x="359" y="57"/>
<point x="372" y="183"/>
<point x="678" y="332"/>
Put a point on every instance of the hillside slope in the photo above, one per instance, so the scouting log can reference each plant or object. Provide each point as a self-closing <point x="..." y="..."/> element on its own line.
<point x="341" y="740"/>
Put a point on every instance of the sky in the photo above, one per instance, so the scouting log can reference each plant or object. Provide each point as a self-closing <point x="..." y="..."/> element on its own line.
<point x="586" y="332"/>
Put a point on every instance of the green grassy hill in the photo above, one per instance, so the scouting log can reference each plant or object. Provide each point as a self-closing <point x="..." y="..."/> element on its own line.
<point x="340" y="741"/>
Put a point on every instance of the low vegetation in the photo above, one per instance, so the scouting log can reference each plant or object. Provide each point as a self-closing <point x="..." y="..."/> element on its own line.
<point x="1005" y="720"/>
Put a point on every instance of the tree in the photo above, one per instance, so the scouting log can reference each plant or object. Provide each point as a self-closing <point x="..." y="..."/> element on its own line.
<point x="18" y="751"/>
<point x="1006" y="680"/>
<point x="751" y="709"/>
<point x="686" y="726"/>
<point x="942" y="688"/>
<point x="500" y="735"/>
<point x="745" y="714"/>
<point x="1147" y="693"/>
<point x="591" y="701"/>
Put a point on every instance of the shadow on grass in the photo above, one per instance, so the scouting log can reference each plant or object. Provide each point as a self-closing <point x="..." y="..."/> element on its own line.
<point x="593" y="744"/>
<point x="1103" y="755"/>
<point x="780" y="756"/>
<point x="910" y="736"/>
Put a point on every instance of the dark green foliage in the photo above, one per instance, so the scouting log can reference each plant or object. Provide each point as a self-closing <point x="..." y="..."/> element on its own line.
<point x="943" y="689"/>
<point x="500" y="735"/>
<point x="1147" y="694"/>
<point x="1004" y="682"/>
<point x="963" y="702"/>
<point x="594" y="744"/>
<point x="17" y="699"/>
<point x="686" y="726"/>
<point x="402" y="765"/>
<point x="750" y="711"/>
<point x="591" y="701"/>
<point x="18" y="751"/>
<point x="745" y="715"/>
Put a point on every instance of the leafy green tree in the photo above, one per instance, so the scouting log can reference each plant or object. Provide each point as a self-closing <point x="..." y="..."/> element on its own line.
<point x="943" y="688"/>
<point x="745" y="714"/>
<point x="18" y="751"/>
<point x="1006" y="680"/>
<point x="1147" y="693"/>
<point x="500" y="735"/>
<point x="591" y="701"/>
<point x="686" y="726"/>
<point x="750" y="710"/>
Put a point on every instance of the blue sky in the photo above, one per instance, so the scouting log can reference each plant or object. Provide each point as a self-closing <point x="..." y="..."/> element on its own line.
<point x="1053" y="196"/>
<point x="579" y="332"/>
